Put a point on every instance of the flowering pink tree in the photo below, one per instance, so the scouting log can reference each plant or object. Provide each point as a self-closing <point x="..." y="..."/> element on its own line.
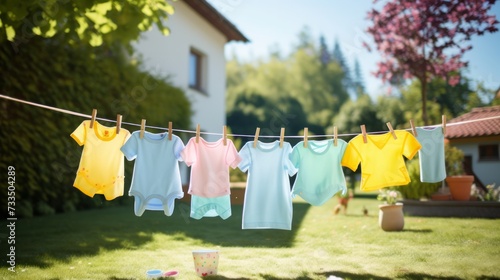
<point x="424" y="39"/>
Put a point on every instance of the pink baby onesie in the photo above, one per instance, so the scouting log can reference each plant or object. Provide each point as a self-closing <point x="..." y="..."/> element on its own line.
<point x="210" y="163"/>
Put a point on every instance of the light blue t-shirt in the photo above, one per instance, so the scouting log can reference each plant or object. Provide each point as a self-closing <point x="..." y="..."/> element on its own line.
<point x="320" y="174"/>
<point x="156" y="180"/>
<point x="431" y="155"/>
<point x="268" y="199"/>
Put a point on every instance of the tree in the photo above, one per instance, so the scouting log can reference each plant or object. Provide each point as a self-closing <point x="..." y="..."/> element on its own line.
<point x="317" y="87"/>
<point x="89" y="21"/>
<point x="324" y="55"/>
<point x="358" y="112"/>
<point x="358" y="83"/>
<point x="426" y="39"/>
<point x="338" y="57"/>
<point x="296" y="91"/>
<point x="305" y="40"/>
<point x="391" y="109"/>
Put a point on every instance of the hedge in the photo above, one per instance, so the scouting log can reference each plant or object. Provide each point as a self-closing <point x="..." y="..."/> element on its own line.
<point x="36" y="141"/>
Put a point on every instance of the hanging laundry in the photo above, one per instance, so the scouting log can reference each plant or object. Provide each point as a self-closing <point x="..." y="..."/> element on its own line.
<point x="101" y="169"/>
<point x="210" y="207"/>
<point x="210" y="162"/>
<point x="320" y="174"/>
<point x="156" y="182"/>
<point x="431" y="156"/>
<point x="381" y="159"/>
<point x="268" y="200"/>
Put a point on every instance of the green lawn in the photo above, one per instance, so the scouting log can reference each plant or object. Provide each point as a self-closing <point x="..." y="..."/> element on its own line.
<point x="114" y="244"/>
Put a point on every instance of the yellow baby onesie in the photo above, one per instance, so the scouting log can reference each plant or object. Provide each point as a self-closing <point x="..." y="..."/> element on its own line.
<point x="101" y="169"/>
<point x="381" y="158"/>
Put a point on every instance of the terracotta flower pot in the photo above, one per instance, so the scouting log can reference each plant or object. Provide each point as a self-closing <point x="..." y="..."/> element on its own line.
<point x="390" y="217"/>
<point x="460" y="186"/>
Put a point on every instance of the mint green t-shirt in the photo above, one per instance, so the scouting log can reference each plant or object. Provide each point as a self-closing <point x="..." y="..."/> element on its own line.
<point x="431" y="156"/>
<point x="320" y="174"/>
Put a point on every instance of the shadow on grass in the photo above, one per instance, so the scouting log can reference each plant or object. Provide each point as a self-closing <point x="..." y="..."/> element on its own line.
<point x="343" y="275"/>
<point x="222" y="277"/>
<point x="408" y="275"/>
<point x="425" y="230"/>
<point x="42" y="240"/>
<point x="228" y="233"/>
<point x="366" y="276"/>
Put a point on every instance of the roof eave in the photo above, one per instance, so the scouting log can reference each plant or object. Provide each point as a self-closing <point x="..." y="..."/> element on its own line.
<point x="217" y="20"/>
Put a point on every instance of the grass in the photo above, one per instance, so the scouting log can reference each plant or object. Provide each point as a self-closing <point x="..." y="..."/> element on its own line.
<point x="114" y="244"/>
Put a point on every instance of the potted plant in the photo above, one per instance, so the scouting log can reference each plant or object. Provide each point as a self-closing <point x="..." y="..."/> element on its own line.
<point x="390" y="215"/>
<point x="458" y="182"/>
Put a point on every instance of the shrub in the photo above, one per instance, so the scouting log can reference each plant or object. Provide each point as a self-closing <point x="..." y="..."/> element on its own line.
<point x="42" y="208"/>
<point x="24" y="209"/>
<point x="36" y="141"/>
<point x="454" y="158"/>
<point x="416" y="189"/>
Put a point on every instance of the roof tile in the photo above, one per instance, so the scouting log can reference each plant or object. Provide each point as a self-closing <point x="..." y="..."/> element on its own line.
<point x="489" y="127"/>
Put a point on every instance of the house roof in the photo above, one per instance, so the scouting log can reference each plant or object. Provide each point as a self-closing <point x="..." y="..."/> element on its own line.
<point x="217" y="20"/>
<point x="488" y="127"/>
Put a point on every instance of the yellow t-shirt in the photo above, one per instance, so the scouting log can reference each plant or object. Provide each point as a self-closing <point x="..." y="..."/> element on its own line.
<point x="382" y="164"/>
<point x="101" y="169"/>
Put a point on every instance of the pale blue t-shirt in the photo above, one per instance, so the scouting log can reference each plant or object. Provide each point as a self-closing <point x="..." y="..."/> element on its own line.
<point x="320" y="174"/>
<point x="268" y="199"/>
<point x="431" y="155"/>
<point x="156" y="180"/>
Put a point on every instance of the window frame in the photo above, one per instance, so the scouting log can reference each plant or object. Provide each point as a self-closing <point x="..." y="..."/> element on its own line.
<point x="485" y="155"/>
<point x="199" y="71"/>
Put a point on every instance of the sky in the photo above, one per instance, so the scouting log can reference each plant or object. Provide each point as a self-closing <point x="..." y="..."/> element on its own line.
<point x="271" y="24"/>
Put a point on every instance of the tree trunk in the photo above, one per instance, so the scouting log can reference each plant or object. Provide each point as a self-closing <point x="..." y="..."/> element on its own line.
<point x="423" y="91"/>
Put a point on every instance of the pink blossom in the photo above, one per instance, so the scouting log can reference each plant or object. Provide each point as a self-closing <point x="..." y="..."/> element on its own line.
<point x="454" y="80"/>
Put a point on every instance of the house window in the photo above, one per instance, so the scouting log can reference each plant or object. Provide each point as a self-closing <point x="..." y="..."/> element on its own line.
<point x="488" y="152"/>
<point x="196" y="70"/>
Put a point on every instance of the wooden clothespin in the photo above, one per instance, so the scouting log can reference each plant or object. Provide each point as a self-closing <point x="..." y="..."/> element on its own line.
<point x="413" y="129"/>
<point x="282" y="137"/>
<point x="224" y="135"/>
<point x="443" y="117"/>
<point x="363" y="131"/>
<point x="391" y="130"/>
<point x="170" y="131"/>
<point x="198" y="133"/>
<point x="335" y="136"/>
<point x="118" y="123"/>
<point x="256" y="137"/>
<point x="143" y="128"/>
<point x="92" y="119"/>
<point x="306" y="131"/>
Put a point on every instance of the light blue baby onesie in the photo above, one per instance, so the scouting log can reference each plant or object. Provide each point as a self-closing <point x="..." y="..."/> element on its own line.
<point x="431" y="155"/>
<point x="320" y="174"/>
<point x="268" y="199"/>
<point x="156" y="182"/>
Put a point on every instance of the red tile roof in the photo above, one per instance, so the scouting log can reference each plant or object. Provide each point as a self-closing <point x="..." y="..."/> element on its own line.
<point x="489" y="127"/>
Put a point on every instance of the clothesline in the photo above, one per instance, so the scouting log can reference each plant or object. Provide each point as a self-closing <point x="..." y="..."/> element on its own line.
<point x="69" y="112"/>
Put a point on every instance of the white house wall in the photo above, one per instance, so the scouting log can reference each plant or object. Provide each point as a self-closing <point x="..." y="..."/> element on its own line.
<point x="169" y="55"/>
<point x="487" y="171"/>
